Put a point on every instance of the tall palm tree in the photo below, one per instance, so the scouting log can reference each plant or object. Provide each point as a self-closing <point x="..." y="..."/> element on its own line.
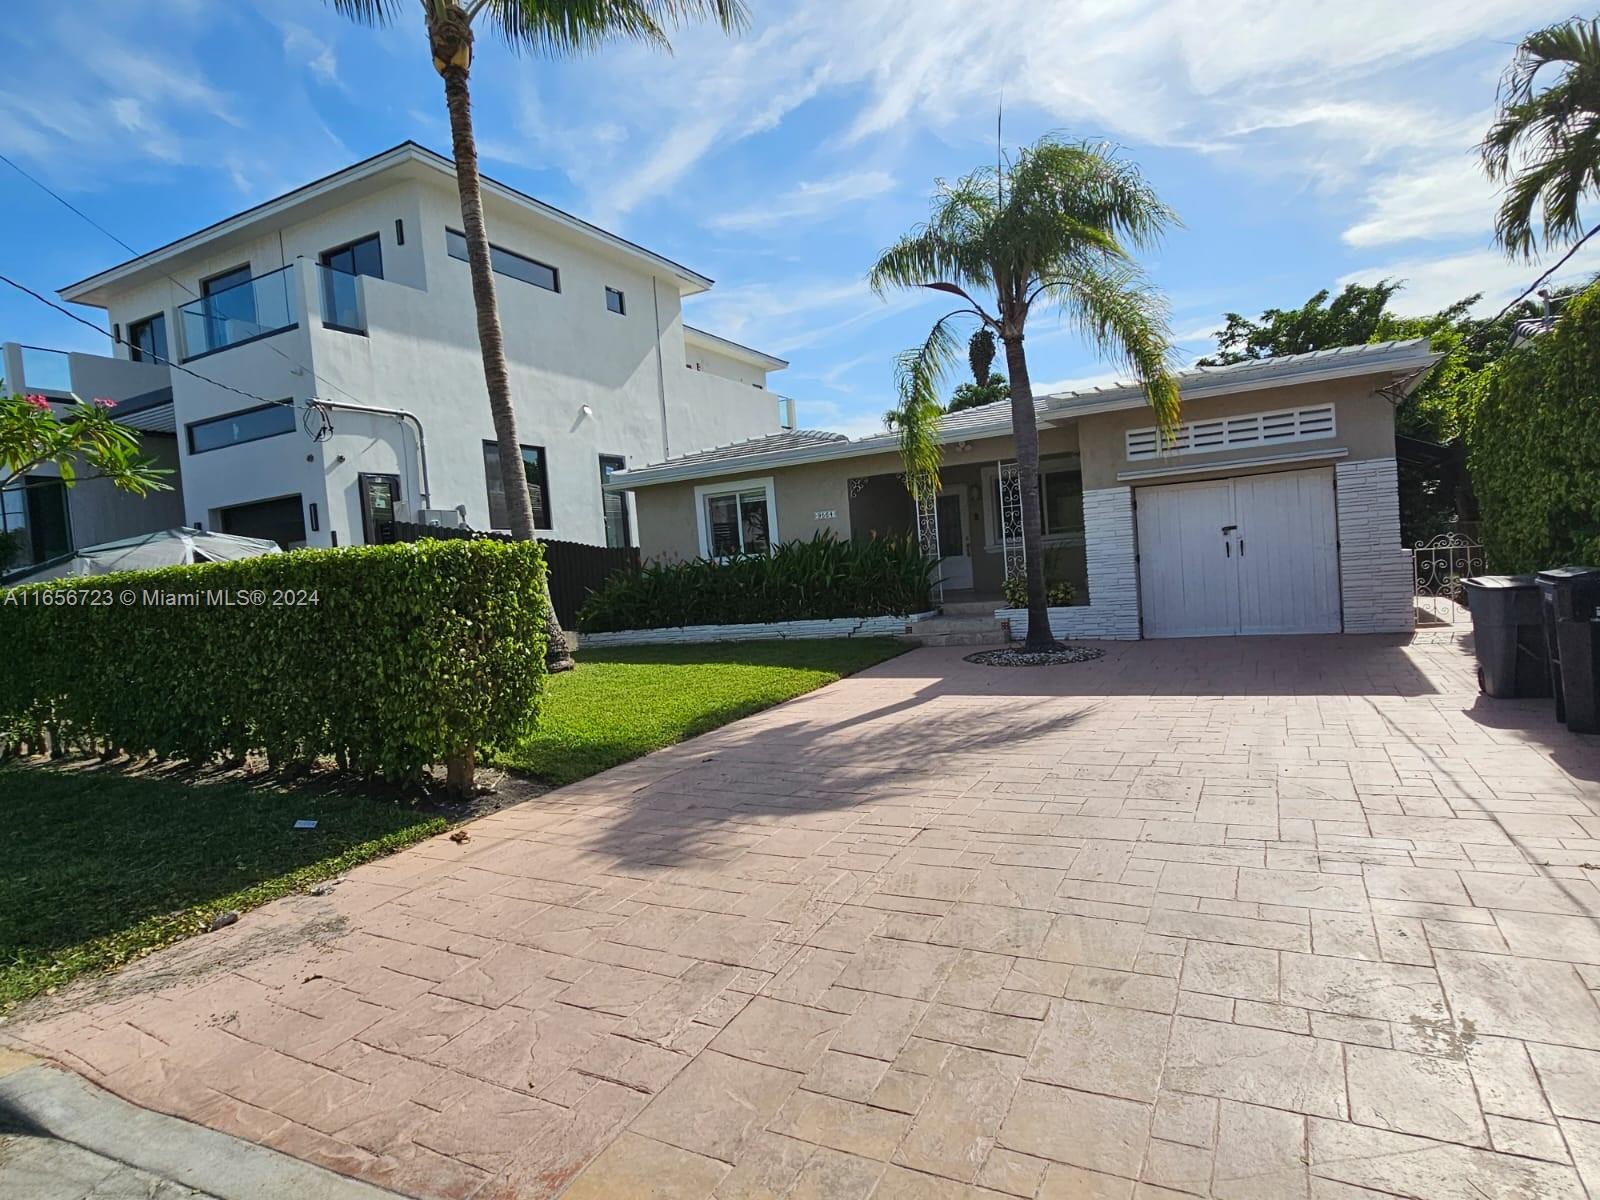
<point x="1545" y="145"/>
<point x="554" y="27"/>
<point x="1053" y="229"/>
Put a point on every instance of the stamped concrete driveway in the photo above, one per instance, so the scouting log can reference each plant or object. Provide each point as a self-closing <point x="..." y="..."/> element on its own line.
<point x="1255" y="918"/>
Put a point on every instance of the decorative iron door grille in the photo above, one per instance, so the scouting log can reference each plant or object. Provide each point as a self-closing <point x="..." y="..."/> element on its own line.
<point x="926" y="499"/>
<point x="1438" y="566"/>
<point x="1010" y="517"/>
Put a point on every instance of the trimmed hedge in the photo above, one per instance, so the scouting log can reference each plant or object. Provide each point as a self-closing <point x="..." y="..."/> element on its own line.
<point x="386" y="657"/>
<point x="1533" y="446"/>
<point x="799" y="581"/>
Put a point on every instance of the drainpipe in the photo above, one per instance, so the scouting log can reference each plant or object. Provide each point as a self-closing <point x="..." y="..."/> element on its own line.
<point x="402" y="415"/>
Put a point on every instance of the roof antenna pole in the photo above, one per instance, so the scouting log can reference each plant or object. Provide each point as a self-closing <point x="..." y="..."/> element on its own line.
<point x="999" y="151"/>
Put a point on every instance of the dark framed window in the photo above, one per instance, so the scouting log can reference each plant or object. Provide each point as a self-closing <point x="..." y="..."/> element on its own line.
<point x="533" y="466"/>
<point x="341" y="304"/>
<point x="507" y="262"/>
<point x="614" y="505"/>
<point x="229" y="302"/>
<point x="1060" y="501"/>
<point x="34" y="511"/>
<point x="236" y="428"/>
<point x="738" y="523"/>
<point x="616" y="302"/>
<point x="147" y="339"/>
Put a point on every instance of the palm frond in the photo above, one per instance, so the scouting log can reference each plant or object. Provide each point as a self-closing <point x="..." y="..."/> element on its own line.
<point x="947" y="248"/>
<point x="1544" y="145"/>
<point x="1117" y="311"/>
<point x="370" y="12"/>
<point x="918" y="374"/>
<point x="561" y="27"/>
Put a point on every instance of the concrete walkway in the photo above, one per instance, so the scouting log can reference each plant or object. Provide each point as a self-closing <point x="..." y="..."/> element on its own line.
<point x="1247" y="918"/>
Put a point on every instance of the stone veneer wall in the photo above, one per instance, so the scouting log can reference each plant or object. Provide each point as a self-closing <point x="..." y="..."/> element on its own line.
<point x="1374" y="567"/>
<point x="836" y="627"/>
<point x="1108" y="540"/>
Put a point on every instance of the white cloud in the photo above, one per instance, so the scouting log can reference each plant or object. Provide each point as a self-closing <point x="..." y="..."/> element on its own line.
<point x="807" y="201"/>
<point x="1435" y="283"/>
<point x="1447" y="197"/>
<point x="303" y="47"/>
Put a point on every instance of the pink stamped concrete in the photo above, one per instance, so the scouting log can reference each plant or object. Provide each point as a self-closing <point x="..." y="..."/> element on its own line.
<point x="1240" y="918"/>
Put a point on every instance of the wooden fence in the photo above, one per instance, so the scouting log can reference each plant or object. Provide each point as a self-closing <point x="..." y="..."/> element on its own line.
<point x="575" y="569"/>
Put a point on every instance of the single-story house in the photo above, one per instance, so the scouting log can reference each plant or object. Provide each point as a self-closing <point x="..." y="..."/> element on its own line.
<point x="1273" y="510"/>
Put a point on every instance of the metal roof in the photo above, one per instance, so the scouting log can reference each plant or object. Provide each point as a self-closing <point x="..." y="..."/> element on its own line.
<point x="1408" y="360"/>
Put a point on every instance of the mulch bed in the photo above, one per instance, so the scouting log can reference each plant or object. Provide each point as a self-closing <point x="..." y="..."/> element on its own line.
<point x="1035" y="658"/>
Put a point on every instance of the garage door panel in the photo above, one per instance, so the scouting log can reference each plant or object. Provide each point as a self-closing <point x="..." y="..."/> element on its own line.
<point x="1288" y="568"/>
<point x="1186" y="575"/>
<point x="1275" y="571"/>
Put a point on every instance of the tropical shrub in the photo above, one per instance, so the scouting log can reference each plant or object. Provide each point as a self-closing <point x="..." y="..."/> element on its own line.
<point x="825" y="577"/>
<point x="1533" y="446"/>
<point x="386" y="657"/>
<point x="1057" y="595"/>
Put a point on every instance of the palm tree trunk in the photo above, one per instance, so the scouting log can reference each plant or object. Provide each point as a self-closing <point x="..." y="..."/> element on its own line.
<point x="491" y="340"/>
<point x="1025" y="436"/>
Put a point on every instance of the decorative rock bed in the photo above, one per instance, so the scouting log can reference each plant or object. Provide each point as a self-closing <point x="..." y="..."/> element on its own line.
<point x="1035" y="658"/>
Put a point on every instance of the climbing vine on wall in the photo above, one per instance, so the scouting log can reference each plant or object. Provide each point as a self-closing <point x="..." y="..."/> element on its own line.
<point x="1533" y="446"/>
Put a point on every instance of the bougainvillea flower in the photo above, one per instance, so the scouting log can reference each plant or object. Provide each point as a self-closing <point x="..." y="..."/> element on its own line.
<point x="39" y="402"/>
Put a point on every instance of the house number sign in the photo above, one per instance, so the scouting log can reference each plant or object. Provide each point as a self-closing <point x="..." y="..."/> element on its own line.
<point x="826" y="514"/>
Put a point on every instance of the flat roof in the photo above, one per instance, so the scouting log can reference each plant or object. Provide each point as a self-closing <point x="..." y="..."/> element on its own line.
<point x="735" y="349"/>
<point x="87" y="291"/>
<point x="1408" y="359"/>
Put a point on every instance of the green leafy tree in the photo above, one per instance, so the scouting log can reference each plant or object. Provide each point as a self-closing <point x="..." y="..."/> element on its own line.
<point x="1544" y="145"/>
<point x="1351" y="320"/>
<point x="1054" y="229"/>
<point x="987" y="386"/>
<point x="550" y="27"/>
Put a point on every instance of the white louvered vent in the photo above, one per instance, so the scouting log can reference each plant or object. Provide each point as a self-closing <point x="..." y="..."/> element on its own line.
<point x="1233" y="433"/>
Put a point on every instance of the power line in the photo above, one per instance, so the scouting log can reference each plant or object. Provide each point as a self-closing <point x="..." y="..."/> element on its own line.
<point x="62" y="200"/>
<point x="1559" y="263"/>
<point x="45" y="300"/>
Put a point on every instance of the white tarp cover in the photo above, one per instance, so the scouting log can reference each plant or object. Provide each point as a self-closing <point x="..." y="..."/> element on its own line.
<point x="164" y="548"/>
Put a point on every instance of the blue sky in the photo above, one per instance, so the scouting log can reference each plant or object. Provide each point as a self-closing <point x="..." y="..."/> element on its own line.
<point x="1303" y="145"/>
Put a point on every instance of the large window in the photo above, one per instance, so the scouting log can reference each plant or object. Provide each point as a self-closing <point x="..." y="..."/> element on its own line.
<point x="614" y="505"/>
<point x="1060" y="501"/>
<point x="508" y="263"/>
<point x="341" y="306"/>
<point x="34" y="514"/>
<point x="246" y="425"/>
<point x="533" y="466"/>
<point x="736" y="518"/>
<point x="147" y="339"/>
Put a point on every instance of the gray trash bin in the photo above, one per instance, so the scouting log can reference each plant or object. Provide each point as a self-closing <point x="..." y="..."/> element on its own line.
<point x="1571" y="600"/>
<point x="1508" y="635"/>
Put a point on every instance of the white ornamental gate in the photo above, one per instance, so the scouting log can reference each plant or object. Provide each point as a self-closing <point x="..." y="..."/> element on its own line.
<point x="1438" y="567"/>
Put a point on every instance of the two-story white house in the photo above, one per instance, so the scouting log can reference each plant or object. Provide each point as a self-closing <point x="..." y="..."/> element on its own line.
<point x="327" y="371"/>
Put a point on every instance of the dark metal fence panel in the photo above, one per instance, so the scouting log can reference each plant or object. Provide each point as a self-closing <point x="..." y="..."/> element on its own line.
<point x="575" y="569"/>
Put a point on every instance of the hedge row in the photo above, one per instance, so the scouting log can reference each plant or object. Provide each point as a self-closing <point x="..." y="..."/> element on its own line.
<point x="387" y="657"/>
<point x="823" y="578"/>
<point x="1533" y="446"/>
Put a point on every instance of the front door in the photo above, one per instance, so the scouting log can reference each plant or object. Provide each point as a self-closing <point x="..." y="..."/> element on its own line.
<point x="955" y="559"/>
<point x="379" y="495"/>
<point x="1255" y="554"/>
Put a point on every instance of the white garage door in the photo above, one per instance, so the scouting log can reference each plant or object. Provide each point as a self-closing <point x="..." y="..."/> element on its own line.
<point x="1257" y="554"/>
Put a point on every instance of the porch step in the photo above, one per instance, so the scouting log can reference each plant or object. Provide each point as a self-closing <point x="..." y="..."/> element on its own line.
<point x="970" y="608"/>
<point x="957" y="631"/>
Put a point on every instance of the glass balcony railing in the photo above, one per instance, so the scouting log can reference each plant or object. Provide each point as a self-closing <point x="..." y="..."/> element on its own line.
<point x="241" y="313"/>
<point x="343" y="302"/>
<point x="45" y="370"/>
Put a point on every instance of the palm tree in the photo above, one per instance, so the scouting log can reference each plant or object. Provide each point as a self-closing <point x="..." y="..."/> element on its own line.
<point x="1052" y="229"/>
<point x="554" y="27"/>
<point x="1545" y="145"/>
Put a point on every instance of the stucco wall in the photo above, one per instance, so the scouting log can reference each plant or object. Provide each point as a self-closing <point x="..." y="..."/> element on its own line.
<point x="566" y="351"/>
<point x="1363" y="425"/>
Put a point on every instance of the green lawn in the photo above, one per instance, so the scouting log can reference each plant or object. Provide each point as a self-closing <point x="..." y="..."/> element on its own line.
<point x="97" y="867"/>
<point x="623" y="702"/>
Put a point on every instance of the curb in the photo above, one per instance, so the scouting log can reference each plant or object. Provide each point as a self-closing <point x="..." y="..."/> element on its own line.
<point x="43" y="1100"/>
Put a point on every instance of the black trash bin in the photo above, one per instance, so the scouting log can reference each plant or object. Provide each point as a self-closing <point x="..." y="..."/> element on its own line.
<point x="1508" y="635"/>
<point x="1571" y="599"/>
